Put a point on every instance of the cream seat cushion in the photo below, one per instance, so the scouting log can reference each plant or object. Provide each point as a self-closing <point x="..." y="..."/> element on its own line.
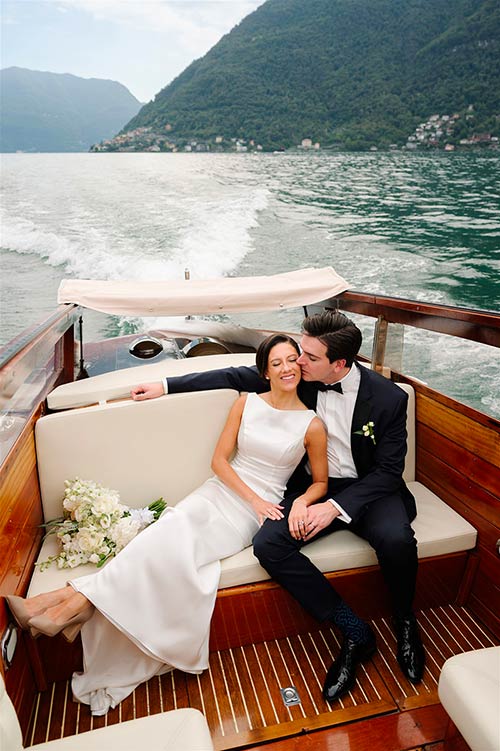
<point x="469" y="690"/>
<point x="178" y="730"/>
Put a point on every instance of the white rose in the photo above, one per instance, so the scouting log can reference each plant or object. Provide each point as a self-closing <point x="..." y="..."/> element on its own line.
<point x="88" y="540"/>
<point x="104" y="505"/>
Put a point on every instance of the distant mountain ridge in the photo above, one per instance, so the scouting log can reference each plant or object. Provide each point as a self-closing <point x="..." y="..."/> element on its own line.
<point x="51" y="112"/>
<point x="337" y="71"/>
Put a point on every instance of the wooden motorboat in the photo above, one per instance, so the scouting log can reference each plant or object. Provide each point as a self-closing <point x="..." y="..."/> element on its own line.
<point x="261" y="642"/>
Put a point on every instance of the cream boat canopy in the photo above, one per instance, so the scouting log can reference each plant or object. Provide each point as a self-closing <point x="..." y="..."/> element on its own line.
<point x="202" y="296"/>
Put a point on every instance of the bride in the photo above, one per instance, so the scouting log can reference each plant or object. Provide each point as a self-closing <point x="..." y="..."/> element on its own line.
<point x="148" y="611"/>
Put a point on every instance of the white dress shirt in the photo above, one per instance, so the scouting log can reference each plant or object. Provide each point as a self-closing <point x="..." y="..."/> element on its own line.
<point x="335" y="411"/>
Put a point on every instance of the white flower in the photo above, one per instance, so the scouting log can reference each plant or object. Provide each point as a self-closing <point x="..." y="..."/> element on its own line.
<point x="88" y="539"/>
<point x="106" y="504"/>
<point x="72" y="561"/>
<point x="105" y="521"/>
<point x="143" y="516"/>
<point x="368" y="431"/>
<point x="123" y="531"/>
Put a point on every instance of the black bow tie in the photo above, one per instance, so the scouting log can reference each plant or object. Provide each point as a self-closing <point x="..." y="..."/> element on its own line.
<point x="333" y="387"/>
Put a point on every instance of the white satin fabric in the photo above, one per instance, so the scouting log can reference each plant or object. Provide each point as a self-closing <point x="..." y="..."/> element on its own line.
<point x="154" y="601"/>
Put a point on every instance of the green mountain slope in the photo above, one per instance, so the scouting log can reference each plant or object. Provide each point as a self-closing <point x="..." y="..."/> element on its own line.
<point x="337" y="71"/>
<point x="59" y="112"/>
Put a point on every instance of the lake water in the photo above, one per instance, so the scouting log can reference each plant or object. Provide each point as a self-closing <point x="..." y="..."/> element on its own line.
<point x="422" y="226"/>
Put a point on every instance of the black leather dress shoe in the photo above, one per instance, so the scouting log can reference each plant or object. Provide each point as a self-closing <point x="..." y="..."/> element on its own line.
<point x="342" y="674"/>
<point x="411" y="655"/>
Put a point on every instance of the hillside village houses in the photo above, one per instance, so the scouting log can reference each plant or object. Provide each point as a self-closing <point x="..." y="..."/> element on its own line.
<point x="147" y="139"/>
<point x="307" y="143"/>
<point x="439" y="131"/>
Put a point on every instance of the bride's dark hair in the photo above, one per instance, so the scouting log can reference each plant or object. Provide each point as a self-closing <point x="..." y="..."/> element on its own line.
<point x="265" y="347"/>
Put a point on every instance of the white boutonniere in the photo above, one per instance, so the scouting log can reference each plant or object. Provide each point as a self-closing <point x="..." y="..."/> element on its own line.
<point x="95" y="525"/>
<point x="368" y="431"/>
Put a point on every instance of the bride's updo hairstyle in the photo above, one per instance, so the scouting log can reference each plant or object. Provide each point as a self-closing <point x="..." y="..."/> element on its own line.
<point x="265" y="347"/>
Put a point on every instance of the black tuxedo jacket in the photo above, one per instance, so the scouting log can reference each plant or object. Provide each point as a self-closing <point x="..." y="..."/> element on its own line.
<point x="379" y="465"/>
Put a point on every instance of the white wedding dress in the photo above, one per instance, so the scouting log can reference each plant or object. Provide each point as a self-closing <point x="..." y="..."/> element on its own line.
<point x="154" y="601"/>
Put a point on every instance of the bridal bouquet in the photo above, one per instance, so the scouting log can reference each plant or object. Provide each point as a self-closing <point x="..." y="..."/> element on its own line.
<point x="95" y="525"/>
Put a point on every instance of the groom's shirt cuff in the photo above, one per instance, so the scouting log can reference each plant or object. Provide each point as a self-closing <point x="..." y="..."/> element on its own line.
<point x="165" y="385"/>
<point x="343" y="516"/>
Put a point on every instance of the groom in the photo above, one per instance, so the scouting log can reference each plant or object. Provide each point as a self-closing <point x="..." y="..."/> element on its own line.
<point x="365" y="416"/>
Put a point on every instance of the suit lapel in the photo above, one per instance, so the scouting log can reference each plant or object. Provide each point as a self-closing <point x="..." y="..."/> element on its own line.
<point x="361" y="415"/>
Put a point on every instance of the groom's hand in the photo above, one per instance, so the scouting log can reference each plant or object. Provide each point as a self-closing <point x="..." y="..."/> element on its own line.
<point x="319" y="516"/>
<point x="147" y="391"/>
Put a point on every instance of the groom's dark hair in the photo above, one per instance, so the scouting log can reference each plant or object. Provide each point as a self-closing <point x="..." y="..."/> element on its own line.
<point x="337" y="332"/>
<point x="265" y="347"/>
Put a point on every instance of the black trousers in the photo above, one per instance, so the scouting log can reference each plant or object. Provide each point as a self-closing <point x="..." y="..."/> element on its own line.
<point x="385" y="525"/>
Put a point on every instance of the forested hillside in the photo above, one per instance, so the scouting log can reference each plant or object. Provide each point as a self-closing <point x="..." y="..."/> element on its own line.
<point x="60" y="112"/>
<point x="341" y="72"/>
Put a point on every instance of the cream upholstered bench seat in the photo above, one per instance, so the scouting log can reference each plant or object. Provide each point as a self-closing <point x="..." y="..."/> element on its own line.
<point x="469" y="690"/>
<point x="178" y="730"/>
<point x="163" y="447"/>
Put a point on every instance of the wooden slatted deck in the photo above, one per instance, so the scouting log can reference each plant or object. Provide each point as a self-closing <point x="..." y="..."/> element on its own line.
<point x="240" y="693"/>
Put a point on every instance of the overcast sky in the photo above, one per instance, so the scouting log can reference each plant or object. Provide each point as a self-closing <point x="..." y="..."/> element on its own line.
<point x="143" y="44"/>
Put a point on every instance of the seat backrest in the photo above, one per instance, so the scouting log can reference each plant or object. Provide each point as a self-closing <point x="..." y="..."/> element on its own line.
<point x="11" y="738"/>
<point x="117" y="383"/>
<point x="160" y="447"/>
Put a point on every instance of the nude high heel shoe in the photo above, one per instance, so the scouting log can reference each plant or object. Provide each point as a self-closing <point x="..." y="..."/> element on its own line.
<point x="41" y="624"/>
<point x="17" y="606"/>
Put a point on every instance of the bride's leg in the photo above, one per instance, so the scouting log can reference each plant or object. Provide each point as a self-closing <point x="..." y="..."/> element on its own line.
<point x="71" y="605"/>
<point x="39" y="603"/>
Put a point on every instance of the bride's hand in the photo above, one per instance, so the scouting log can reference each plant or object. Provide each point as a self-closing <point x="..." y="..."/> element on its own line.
<point x="297" y="519"/>
<point x="266" y="510"/>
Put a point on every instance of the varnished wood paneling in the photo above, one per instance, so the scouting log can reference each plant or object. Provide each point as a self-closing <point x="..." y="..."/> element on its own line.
<point x="471" y="465"/>
<point x="486" y="589"/>
<point x="266" y="611"/>
<point x="481" y="611"/>
<point x="479" y="439"/>
<point x="20" y="517"/>
<point x="58" y="658"/>
<point x="452" y="480"/>
<point x="20" y="684"/>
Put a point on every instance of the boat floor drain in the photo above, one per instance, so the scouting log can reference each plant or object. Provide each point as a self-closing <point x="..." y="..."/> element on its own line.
<point x="290" y="696"/>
